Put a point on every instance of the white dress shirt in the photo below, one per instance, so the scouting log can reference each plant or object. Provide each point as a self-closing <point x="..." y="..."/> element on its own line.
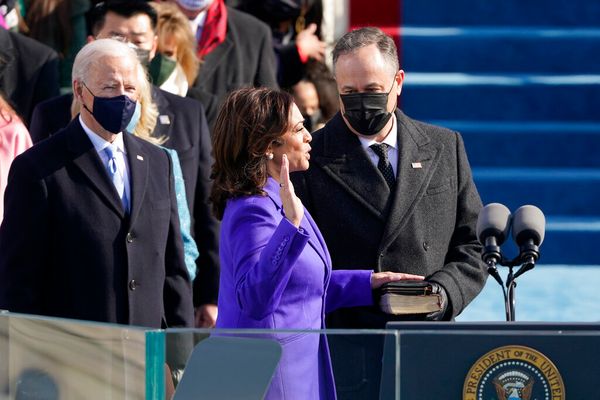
<point x="100" y="144"/>
<point x="391" y="140"/>
<point x="197" y="24"/>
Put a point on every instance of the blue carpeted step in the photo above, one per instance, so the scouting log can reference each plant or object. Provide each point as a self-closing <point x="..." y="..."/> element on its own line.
<point x="574" y="191"/>
<point x="501" y="97"/>
<point x="529" y="144"/>
<point x="499" y="49"/>
<point x="571" y="240"/>
<point x="507" y="12"/>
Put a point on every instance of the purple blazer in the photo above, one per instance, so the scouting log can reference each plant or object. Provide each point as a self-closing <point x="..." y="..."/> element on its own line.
<point x="277" y="276"/>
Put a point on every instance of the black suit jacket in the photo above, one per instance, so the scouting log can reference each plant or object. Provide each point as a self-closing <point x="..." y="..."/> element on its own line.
<point x="68" y="249"/>
<point x="28" y="72"/>
<point x="183" y="123"/>
<point x="245" y="58"/>
<point x="426" y="226"/>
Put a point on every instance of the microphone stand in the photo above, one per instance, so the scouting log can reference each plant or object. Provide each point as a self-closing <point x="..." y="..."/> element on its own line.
<point x="527" y="260"/>
<point x="493" y="271"/>
<point x="509" y="298"/>
<point x="492" y="256"/>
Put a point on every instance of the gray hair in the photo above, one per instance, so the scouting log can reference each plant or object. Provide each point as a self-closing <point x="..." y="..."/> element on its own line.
<point x="95" y="50"/>
<point x="363" y="37"/>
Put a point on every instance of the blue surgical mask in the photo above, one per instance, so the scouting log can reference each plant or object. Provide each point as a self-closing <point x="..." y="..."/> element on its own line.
<point x="112" y="113"/>
<point x="194" y="4"/>
<point x="135" y="118"/>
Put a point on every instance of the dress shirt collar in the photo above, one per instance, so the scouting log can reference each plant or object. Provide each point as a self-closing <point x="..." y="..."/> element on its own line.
<point x="391" y="139"/>
<point x="198" y="23"/>
<point x="99" y="143"/>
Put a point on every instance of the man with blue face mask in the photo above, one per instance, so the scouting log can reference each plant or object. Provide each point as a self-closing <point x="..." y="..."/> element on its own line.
<point x="91" y="230"/>
<point x="181" y="121"/>
<point x="390" y="193"/>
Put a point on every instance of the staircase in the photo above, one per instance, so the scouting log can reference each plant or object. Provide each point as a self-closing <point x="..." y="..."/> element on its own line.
<point x="521" y="81"/>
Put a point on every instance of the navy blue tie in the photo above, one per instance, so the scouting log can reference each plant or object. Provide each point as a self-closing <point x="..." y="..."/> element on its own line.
<point x="384" y="165"/>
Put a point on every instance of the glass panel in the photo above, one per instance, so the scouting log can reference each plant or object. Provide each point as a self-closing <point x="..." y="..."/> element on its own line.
<point x="3" y="354"/>
<point x="295" y="364"/>
<point x="53" y="358"/>
<point x="64" y="359"/>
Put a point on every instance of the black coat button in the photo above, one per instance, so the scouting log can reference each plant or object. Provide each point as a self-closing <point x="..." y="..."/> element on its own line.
<point x="129" y="238"/>
<point x="133" y="284"/>
<point x="425" y="246"/>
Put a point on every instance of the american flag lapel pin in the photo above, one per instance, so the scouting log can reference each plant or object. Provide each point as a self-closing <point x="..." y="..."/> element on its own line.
<point x="140" y="157"/>
<point x="416" y="165"/>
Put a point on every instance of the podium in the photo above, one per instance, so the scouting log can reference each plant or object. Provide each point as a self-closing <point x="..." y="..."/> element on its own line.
<point x="483" y="361"/>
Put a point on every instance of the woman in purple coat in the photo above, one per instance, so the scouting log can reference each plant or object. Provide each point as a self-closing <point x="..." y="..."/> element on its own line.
<point x="275" y="268"/>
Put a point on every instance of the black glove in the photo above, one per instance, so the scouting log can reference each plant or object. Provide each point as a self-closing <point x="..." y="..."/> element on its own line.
<point x="438" y="315"/>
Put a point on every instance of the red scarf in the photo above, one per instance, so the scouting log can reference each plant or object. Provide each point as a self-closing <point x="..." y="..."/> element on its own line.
<point x="215" y="28"/>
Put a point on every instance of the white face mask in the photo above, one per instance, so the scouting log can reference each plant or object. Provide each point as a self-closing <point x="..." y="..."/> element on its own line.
<point x="194" y="4"/>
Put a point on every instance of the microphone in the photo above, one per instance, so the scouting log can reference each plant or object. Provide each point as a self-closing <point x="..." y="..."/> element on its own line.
<point x="529" y="227"/>
<point x="493" y="225"/>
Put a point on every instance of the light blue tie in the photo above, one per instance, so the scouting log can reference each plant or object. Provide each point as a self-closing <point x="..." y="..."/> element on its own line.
<point x="116" y="175"/>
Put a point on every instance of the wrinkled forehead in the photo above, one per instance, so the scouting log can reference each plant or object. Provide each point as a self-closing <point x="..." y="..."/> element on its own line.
<point x="112" y="68"/>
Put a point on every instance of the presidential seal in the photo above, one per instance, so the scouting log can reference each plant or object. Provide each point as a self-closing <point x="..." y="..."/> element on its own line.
<point x="513" y="373"/>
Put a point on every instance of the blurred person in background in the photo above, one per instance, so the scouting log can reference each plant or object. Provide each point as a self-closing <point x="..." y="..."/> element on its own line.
<point x="175" y="66"/>
<point x="316" y="95"/>
<point x="59" y="24"/>
<point x="307" y="99"/>
<point x="296" y="30"/>
<point x="28" y="72"/>
<point x="234" y="48"/>
<point x="14" y="139"/>
<point x="322" y="77"/>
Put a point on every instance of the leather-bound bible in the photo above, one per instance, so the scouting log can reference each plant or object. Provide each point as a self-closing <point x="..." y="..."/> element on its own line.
<point x="409" y="297"/>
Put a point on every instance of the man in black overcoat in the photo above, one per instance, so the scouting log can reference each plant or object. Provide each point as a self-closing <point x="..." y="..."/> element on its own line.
<point x="92" y="234"/>
<point x="389" y="193"/>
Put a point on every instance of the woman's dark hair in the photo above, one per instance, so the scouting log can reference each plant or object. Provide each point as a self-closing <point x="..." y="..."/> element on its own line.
<point x="49" y="22"/>
<point x="250" y="120"/>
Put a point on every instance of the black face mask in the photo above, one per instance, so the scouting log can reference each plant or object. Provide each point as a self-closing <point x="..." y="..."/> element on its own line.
<point x="366" y="112"/>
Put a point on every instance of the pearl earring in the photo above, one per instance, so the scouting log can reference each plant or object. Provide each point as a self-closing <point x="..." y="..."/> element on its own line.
<point x="269" y="156"/>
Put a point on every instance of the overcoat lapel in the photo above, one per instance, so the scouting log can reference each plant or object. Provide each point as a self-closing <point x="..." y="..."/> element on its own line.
<point x="87" y="160"/>
<point x="138" y="172"/>
<point x="417" y="160"/>
<point x="346" y="162"/>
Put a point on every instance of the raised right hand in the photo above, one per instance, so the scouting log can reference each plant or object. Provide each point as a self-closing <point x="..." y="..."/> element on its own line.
<point x="292" y="206"/>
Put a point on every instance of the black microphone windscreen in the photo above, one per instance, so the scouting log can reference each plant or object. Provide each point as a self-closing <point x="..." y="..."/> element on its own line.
<point x="493" y="220"/>
<point x="529" y="223"/>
